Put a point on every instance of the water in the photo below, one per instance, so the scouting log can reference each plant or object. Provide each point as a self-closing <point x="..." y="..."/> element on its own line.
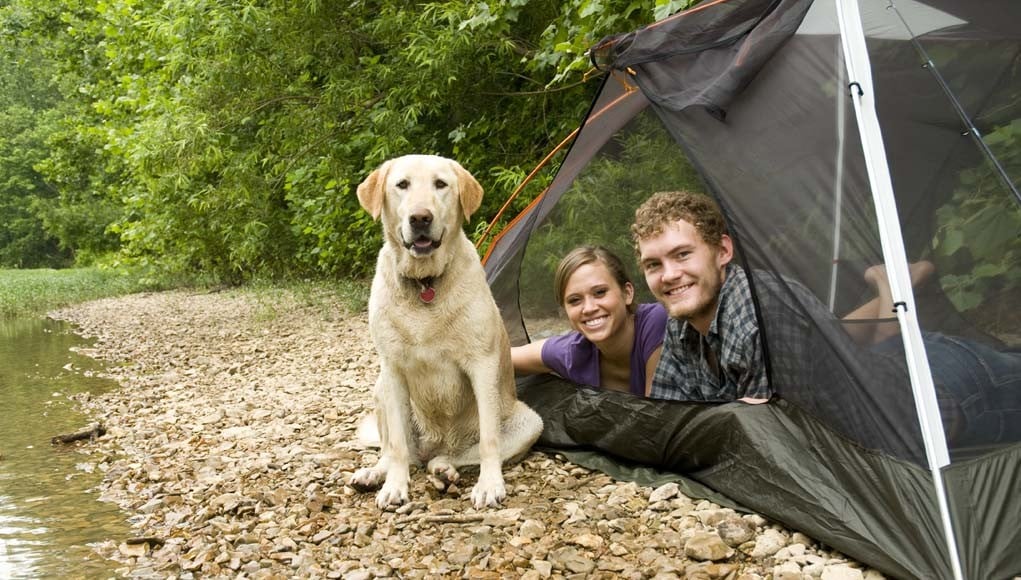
<point x="50" y="512"/>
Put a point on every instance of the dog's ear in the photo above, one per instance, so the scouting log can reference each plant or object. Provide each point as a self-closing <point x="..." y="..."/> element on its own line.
<point x="372" y="191"/>
<point x="468" y="189"/>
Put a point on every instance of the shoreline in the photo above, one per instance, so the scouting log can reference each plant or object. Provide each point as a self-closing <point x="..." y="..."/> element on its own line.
<point x="231" y="439"/>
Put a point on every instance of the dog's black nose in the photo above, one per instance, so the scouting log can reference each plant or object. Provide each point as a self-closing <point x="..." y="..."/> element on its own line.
<point x="420" y="219"/>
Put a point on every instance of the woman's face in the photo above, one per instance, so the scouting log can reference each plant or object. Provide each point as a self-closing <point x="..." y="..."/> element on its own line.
<point x="596" y="304"/>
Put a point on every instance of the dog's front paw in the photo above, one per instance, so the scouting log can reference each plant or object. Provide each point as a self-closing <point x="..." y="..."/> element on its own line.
<point x="488" y="492"/>
<point x="392" y="494"/>
<point x="366" y="479"/>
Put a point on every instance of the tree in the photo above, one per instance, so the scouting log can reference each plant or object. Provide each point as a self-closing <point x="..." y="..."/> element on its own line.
<point x="227" y="137"/>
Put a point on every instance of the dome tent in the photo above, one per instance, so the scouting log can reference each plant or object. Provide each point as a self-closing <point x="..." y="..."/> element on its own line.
<point x="835" y="135"/>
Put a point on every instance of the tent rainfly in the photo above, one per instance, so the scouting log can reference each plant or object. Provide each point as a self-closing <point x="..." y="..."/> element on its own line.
<point x="835" y="135"/>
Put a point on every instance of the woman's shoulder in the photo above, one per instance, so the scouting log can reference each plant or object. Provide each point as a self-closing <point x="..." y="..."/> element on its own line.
<point x="573" y="357"/>
<point x="565" y="345"/>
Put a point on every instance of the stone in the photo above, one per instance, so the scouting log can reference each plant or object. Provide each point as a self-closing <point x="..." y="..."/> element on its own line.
<point x="787" y="571"/>
<point x="543" y="568"/>
<point x="712" y="517"/>
<point x="134" y="550"/>
<point x="735" y="531"/>
<point x="768" y="543"/>
<point x="506" y="517"/>
<point x="618" y="549"/>
<point x="590" y="541"/>
<point x="707" y="546"/>
<point x="664" y="492"/>
<point x="462" y="554"/>
<point x="799" y="538"/>
<point x="532" y="529"/>
<point x="841" y="572"/>
<point x="571" y="560"/>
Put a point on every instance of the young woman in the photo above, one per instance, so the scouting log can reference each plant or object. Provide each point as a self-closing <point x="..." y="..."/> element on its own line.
<point x="615" y="343"/>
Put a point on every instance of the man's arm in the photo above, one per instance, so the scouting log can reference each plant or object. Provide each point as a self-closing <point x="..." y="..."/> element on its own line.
<point x="650" y="369"/>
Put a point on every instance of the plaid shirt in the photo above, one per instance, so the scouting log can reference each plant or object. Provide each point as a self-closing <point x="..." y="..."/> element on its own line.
<point x="685" y="372"/>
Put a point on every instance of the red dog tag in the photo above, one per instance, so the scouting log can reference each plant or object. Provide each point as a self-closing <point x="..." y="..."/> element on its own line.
<point x="427" y="294"/>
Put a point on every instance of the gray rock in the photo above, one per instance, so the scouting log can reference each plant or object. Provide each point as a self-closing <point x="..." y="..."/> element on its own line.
<point x="664" y="492"/>
<point x="707" y="546"/>
<point x="735" y="531"/>
<point x="768" y="543"/>
<point x="841" y="572"/>
<point x="532" y="529"/>
<point x="571" y="560"/>
<point x="787" y="571"/>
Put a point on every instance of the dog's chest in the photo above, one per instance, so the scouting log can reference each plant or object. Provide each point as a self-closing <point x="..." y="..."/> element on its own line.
<point x="399" y="332"/>
<point x="435" y="378"/>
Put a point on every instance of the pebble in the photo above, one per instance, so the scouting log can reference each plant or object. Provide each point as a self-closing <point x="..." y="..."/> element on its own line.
<point x="232" y="438"/>
<point x="707" y="546"/>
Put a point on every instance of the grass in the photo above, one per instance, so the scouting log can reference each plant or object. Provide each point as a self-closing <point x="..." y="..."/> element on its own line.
<point x="351" y="295"/>
<point x="35" y="292"/>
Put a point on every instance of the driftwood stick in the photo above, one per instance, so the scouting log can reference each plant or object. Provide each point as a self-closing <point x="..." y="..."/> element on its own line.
<point x="90" y="433"/>
<point x="443" y="518"/>
<point x="146" y="540"/>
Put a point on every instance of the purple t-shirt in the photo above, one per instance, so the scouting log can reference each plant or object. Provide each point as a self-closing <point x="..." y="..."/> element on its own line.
<point x="573" y="357"/>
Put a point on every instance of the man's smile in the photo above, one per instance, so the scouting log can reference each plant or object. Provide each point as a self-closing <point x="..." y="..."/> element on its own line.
<point x="679" y="290"/>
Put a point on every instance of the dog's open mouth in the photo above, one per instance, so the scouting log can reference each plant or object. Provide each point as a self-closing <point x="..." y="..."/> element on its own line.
<point x="423" y="245"/>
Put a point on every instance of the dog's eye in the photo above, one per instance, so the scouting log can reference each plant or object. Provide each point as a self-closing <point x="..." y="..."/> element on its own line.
<point x="403" y="184"/>
<point x="439" y="184"/>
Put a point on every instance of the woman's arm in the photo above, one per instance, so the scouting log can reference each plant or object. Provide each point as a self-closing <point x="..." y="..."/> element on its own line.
<point x="650" y="368"/>
<point x="527" y="359"/>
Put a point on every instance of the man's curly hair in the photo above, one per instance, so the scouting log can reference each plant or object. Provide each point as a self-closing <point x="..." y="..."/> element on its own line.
<point x="668" y="207"/>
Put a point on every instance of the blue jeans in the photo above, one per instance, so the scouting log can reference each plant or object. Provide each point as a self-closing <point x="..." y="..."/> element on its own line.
<point x="983" y="382"/>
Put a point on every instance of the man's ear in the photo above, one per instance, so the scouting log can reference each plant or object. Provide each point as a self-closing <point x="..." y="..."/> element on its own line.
<point x="468" y="189"/>
<point x="372" y="191"/>
<point x="725" y="253"/>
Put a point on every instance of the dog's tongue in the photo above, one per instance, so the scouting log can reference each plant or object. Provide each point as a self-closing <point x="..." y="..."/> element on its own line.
<point x="423" y="242"/>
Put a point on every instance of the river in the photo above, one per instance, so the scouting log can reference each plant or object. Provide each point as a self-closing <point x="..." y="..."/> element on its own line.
<point x="50" y="512"/>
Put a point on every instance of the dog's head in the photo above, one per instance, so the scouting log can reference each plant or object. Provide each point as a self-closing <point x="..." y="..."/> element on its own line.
<point x="422" y="200"/>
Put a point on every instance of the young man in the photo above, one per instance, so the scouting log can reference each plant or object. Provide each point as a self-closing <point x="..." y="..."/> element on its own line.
<point x="712" y="351"/>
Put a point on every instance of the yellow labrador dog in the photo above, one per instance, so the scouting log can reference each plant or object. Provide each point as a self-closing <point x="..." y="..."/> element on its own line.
<point x="446" y="391"/>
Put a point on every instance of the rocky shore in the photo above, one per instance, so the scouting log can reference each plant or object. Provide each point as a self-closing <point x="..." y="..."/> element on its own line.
<point x="231" y="440"/>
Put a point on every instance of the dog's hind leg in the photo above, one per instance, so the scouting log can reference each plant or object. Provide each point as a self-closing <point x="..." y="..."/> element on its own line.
<point x="441" y="472"/>
<point x="393" y="414"/>
<point x="518" y="433"/>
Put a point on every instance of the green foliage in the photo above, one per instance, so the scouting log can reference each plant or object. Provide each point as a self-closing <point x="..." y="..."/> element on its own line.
<point x="599" y="208"/>
<point x="24" y="241"/>
<point x="227" y="137"/>
<point x="977" y="247"/>
<point x="51" y="210"/>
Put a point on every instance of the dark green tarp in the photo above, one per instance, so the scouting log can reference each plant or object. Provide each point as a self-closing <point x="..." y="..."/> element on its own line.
<point x="782" y="463"/>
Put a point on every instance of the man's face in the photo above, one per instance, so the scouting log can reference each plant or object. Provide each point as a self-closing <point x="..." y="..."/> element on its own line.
<point x="684" y="272"/>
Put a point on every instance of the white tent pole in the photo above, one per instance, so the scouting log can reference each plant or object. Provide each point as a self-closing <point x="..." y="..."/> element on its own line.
<point x="859" y="68"/>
